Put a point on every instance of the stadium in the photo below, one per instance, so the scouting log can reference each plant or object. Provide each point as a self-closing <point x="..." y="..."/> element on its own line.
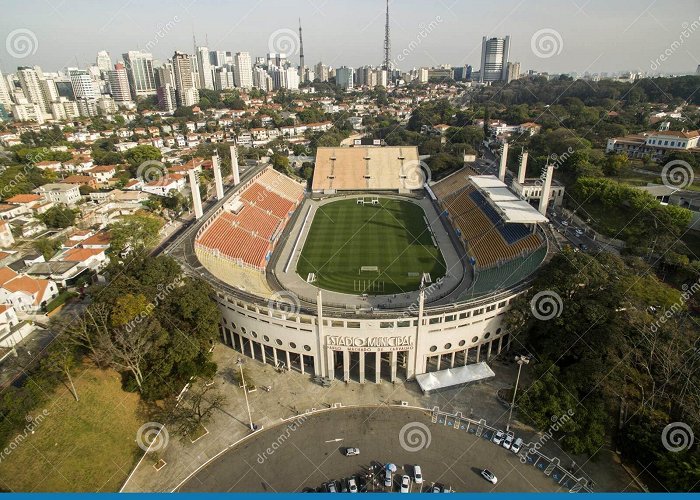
<point x="376" y="273"/>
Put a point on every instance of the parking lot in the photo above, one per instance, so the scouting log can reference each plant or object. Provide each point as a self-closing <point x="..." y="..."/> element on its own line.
<point x="308" y="453"/>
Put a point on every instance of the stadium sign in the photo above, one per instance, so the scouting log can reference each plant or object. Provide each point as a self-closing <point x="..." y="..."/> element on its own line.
<point x="401" y="342"/>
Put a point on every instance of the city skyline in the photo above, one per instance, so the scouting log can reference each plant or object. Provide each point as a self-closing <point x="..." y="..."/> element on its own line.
<point x="550" y="37"/>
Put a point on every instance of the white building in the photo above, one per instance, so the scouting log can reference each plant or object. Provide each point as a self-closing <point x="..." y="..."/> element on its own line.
<point x="139" y="67"/>
<point x="68" y="194"/>
<point x="119" y="83"/>
<point x="242" y="70"/>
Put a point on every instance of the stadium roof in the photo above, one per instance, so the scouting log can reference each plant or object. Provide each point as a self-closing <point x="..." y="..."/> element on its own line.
<point x="510" y="206"/>
<point x="367" y="168"/>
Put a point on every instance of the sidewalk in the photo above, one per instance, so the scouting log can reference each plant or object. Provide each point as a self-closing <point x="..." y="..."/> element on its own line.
<point x="293" y="393"/>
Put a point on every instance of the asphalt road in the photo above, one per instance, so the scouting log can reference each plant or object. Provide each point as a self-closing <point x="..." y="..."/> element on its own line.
<point x="283" y="459"/>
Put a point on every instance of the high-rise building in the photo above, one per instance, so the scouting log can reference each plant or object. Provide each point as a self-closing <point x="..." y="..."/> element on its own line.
<point x="163" y="75"/>
<point x="223" y="78"/>
<point x="5" y="99"/>
<point x="217" y="58"/>
<point x="139" y="68"/>
<point x="30" y="82"/>
<point x="242" y="70"/>
<point x="82" y="84"/>
<point x="422" y="75"/>
<point x="185" y="89"/>
<point x="494" y="59"/>
<point x="322" y="72"/>
<point x="119" y="83"/>
<point x="167" y="100"/>
<point x="513" y="72"/>
<point x="344" y="78"/>
<point x="103" y="61"/>
<point x="206" y="79"/>
<point x="276" y="59"/>
<point x="697" y="71"/>
<point x="262" y="80"/>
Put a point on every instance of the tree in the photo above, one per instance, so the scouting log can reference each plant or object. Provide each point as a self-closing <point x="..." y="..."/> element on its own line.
<point x="140" y="154"/>
<point x="62" y="359"/>
<point x="47" y="247"/>
<point x="138" y="232"/>
<point x="58" y="217"/>
<point x="194" y="410"/>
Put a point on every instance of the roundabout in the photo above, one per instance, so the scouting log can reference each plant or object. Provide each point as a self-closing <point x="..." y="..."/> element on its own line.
<point x="309" y="452"/>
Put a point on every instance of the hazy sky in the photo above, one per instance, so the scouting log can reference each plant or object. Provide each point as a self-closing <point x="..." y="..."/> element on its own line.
<point x="569" y="35"/>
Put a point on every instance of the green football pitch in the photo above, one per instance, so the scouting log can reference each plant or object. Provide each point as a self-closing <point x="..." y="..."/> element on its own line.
<point x="372" y="249"/>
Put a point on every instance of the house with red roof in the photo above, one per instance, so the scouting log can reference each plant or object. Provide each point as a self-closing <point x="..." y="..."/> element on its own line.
<point x="24" y="293"/>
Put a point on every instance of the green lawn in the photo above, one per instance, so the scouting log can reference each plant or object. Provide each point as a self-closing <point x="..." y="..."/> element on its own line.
<point x="393" y="236"/>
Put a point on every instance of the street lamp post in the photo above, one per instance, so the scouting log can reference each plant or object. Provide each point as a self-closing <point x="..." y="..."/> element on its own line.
<point x="245" y="393"/>
<point x="521" y="360"/>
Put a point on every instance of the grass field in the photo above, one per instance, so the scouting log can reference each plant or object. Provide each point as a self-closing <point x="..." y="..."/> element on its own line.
<point x="86" y="445"/>
<point x="393" y="236"/>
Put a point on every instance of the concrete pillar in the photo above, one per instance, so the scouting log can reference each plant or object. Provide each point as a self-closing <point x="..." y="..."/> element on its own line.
<point x="544" y="199"/>
<point x="508" y="344"/>
<point x="289" y="363"/>
<point x="252" y="348"/>
<point x="378" y="368"/>
<point x="478" y="352"/>
<point x="301" y="363"/>
<point x="439" y="362"/>
<point x="196" y="200"/>
<point x="500" y="344"/>
<point x="452" y="361"/>
<point x="466" y="356"/>
<point x="393" y="366"/>
<point x="274" y="355"/>
<point x="218" y="181"/>
<point x="320" y="348"/>
<point x="262" y="350"/>
<point x="504" y="160"/>
<point x="362" y="367"/>
<point x="414" y="367"/>
<point x="234" y="166"/>
<point x="523" y="168"/>
<point x="346" y="365"/>
<point x="330" y="365"/>
<point x="488" y="353"/>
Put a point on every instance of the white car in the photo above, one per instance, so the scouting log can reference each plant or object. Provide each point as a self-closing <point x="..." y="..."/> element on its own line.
<point x="517" y="445"/>
<point x="405" y="483"/>
<point x="417" y="474"/>
<point x="351" y="452"/>
<point x="508" y="441"/>
<point x="352" y="485"/>
<point x="498" y="437"/>
<point x="579" y="232"/>
<point x="388" y="478"/>
<point x="489" y="476"/>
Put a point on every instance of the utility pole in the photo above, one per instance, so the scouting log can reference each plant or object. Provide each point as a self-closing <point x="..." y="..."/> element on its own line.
<point x="245" y="392"/>
<point x="521" y="360"/>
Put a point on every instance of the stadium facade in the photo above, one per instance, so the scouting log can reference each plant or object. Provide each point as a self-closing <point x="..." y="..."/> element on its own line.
<point x="248" y="242"/>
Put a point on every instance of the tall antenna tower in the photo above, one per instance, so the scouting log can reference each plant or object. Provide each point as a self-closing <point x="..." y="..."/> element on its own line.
<point x="302" y="69"/>
<point x="387" y="45"/>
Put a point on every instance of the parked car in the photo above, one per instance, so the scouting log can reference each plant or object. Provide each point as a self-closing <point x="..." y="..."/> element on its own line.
<point x="438" y="488"/>
<point x="417" y="474"/>
<point x="388" y="478"/>
<point x="405" y="483"/>
<point x="352" y="485"/>
<point x="498" y="437"/>
<point x="351" y="452"/>
<point x="517" y="445"/>
<point x="331" y="487"/>
<point x="489" y="476"/>
<point x="508" y="441"/>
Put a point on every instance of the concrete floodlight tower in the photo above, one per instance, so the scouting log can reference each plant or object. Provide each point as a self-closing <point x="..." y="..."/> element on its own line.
<point x="387" y="44"/>
<point x="196" y="199"/>
<point x="523" y="167"/>
<point x="546" y="188"/>
<point x="504" y="161"/>
<point x="234" y="166"/>
<point x="218" y="181"/>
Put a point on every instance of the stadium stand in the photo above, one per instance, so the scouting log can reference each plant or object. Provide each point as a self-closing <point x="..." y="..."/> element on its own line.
<point x="364" y="168"/>
<point x="453" y="184"/>
<point x="262" y="209"/>
<point x="484" y="233"/>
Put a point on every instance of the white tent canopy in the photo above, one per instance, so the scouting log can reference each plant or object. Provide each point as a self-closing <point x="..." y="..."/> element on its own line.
<point x="452" y="377"/>
<point x="511" y="207"/>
